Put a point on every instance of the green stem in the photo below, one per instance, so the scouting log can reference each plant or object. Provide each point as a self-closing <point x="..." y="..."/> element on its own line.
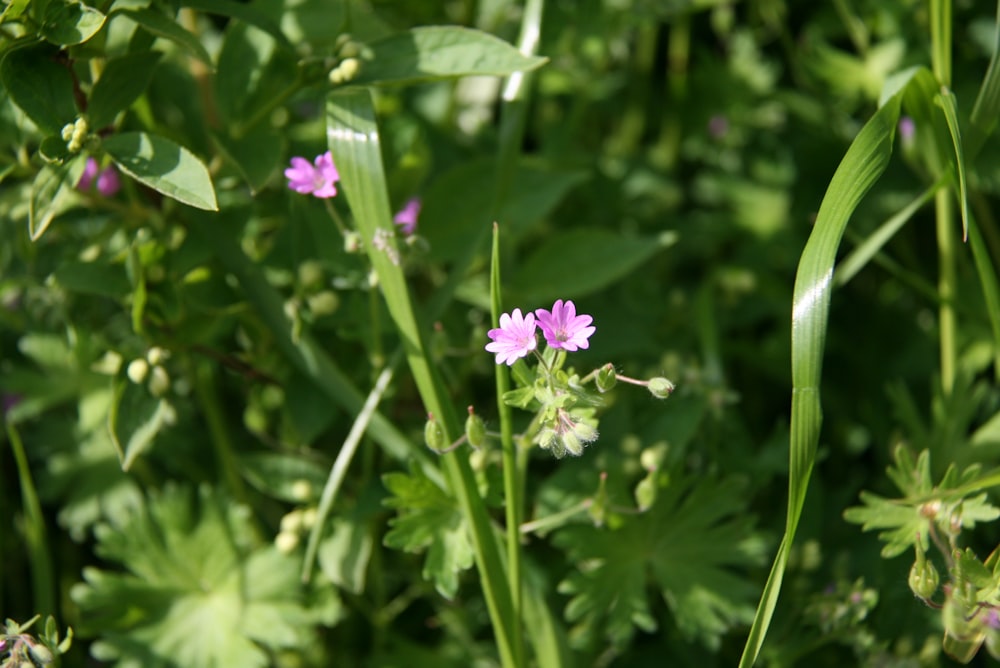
<point x="941" y="64"/>
<point x="265" y="109"/>
<point x="34" y="529"/>
<point x="211" y="410"/>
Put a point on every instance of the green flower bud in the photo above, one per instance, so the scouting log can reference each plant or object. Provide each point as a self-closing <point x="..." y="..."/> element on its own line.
<point x="302" y="490"/>
<point x="67" y="132"/>
<point x="475" y="430"/>
<point x="292" y="522"/>
<point x="40" y="655"/>
<point x="286" y="542"/>
<point x="156" y="355"/>
<point x="352" y="242"/>
<point x="310" y="273"/>
<point x="159" y="382"/>
<point x="606" y="378"/>
<point x="434" y="434"/>
<point x="659" y="387"/>
<point x="309" y="517"/>
<point x="924" y="578"/>
<point x="137" y="370"/>
<point x="323" y="303"/>
<point x="645" y="491"/>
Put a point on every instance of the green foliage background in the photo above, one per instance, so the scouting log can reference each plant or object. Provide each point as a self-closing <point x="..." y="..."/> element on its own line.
<point x="689" y="173"/>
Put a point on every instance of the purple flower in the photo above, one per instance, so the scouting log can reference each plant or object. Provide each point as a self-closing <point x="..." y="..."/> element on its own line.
<point x="407" y="217"/>
<point x="906" y="128"/>
<point x="108" y="181"/>
<point x="718" y="126"/>
<point x="318" y="180"/>
<point x="514" y="338"/>
<point x="563" y="328"/>
<point x="992" y="619"/>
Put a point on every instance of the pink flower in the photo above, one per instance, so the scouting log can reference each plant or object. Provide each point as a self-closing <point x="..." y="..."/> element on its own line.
<point x="318" y="180"/>
<point x="108" y="181"/>
<point x="563" y="328"/>
<point x="514" y="338"/>
<point x="407" y="217"/>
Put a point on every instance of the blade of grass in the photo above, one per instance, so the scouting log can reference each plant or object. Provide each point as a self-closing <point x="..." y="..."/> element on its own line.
<point x="354" y="142"/>
<point x="864" y="162"/>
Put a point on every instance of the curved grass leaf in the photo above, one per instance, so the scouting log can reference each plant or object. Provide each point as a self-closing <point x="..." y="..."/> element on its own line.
<point x="440" y="52"/>
<point x="864" y="162"/>
<point x="986" y="110"/>
<point x="164" y="166"/>
<point x="354" y="142"/>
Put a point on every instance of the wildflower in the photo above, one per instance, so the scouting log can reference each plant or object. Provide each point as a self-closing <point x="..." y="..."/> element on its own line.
<point x="407" y="217"/>
<point x="317" y="180"/>
<point x="563" y="328"/>
<point x="907" y="128"/>
<point x="514" y="338"/>
<point x="108" y="181"/>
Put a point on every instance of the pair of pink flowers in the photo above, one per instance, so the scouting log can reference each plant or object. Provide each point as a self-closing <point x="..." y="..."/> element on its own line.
<point x="108" y="181"/>
<point x="562" y="328"/>
<point x="318" y="178"/>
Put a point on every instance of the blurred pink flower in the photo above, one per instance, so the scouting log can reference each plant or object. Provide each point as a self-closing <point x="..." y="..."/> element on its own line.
<point x="316" y="178"/>
<point x="563" y="328"/>
<point x="108" y="181"/>
<point x="407" y="216"/>
<point x="514" y="338"/>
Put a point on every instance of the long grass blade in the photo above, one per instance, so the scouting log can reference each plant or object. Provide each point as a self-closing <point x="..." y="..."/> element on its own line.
<point x="863" y="164"/>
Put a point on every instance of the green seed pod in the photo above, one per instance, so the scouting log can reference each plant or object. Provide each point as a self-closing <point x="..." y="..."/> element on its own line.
<point x="606" y="378"/>
<point x="434" y="434"/>
<point x="323" y="303"/>
<point x="475" y="430"/>
<point x="645" y="491"/>
<point x="660" y="387"/>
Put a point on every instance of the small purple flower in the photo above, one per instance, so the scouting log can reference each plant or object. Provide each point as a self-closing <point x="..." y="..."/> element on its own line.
<point x="108" y="181"/>
<point x="906" y="128"/>
<point x="992" y="619"/>
<point x="563" y="328"/>
<point x="407" y="217"/>
<point x="718" y="126"/>
<point x="514" y="338"/>
<point x="317" y="180"/>
<point x="89" y="174"/>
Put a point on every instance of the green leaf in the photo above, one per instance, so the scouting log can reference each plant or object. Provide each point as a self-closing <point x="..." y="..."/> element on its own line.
<point x="986" y="110"/>
<point x="136" y="418"/>
<point x="578" y="262"/>
<point x="247" y="13"/>
<point x="40" y="86"/>
<point x="163" y="166"/>
<point x="694" y="544"/>
<point x="95" y="278"/>
<point x="429" y="520"/>
<point x="199" y="589"/>
<point x="438" y="52"/>
<point x="52" y="193"/>
<point x="243" y="59"/>
<point x="69" y="22"/>
<point x="162" y="26"/>
<point x="122" y="81"/>
<point x="345" y="553"/>
<point x="257" y="156"/>
<point x="282" y="475"/>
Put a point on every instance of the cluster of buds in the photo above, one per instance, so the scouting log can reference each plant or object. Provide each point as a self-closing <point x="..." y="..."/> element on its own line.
<point x="150" y="369"/>
<point x="74" y="134"/>
<point x="349" y="54"/>
<point x="20" y="649"/>
<point x="297" y="522"/>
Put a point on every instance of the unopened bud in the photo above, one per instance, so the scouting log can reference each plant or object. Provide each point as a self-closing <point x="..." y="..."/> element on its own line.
<point x="310" y="273"/>
<point x="40" y="655"/>
<point x="323" y="303"/>
<point x="286" y="542"/>
<point x="924" y="578"/>
<point x="302" y="490"/>
<point x="67" y="132"/>
<point x="352" y="242"/>
<point x="645" y="491"/>
<point x="475" y="430"/>
<point x="660" y="387"/>
<point x="309" y="516"/>
<point x="606" y="378"/>
<point x="156" y="355"/>
<point x="434" y="434"/>
<point x="159" y="382"/>
<point x="292" y="522"/>
<point x="137" y="370"/>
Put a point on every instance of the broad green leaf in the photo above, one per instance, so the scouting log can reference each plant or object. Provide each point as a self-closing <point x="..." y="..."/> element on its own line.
<point x="52" y="193"/>
<point x="162" y="26"/>
<point x="692" y="544"/>
<point x="163" y="166"/>
<point x="438" y="52"/>
<point x="455" y="212"/>
<point x="40" y="86"/>
<point x="288" y="477"/>
<point x="14" y="9"/>
<point x="135" y="420"/>
<point x="257" y="156"/>
<point x="429" y="520"/>
<point x="344" y="554"/>
<point x="578" y="262"/>
<point x="198" y="588"/>
<point x="122" y="81"/>
<point x="864" y="162"/>
<point x="243" y="60"/>
<point x="69" y="22"/>
<point x="244" y="12"/>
